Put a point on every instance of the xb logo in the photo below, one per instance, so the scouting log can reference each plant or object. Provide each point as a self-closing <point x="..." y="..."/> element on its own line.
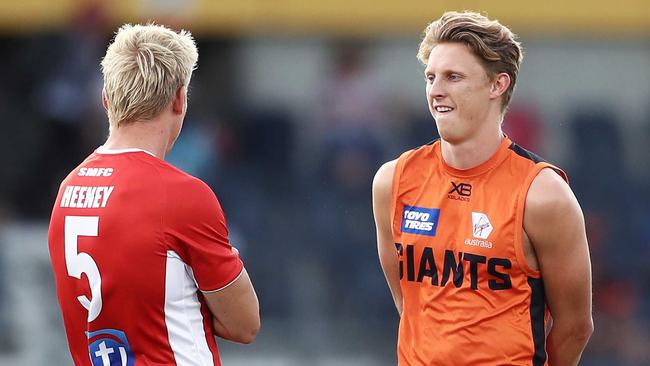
<point x="463" y="189"/>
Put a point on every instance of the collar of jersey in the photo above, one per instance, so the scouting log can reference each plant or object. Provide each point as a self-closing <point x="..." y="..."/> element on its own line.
<point x="482" y="168"/>
<point x="102" y="150"/>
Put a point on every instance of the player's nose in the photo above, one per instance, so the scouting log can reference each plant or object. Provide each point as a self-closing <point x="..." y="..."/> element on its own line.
<point x="436" y="90"/>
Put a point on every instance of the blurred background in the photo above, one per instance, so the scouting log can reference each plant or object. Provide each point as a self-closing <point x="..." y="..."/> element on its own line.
<point x="294" y="106"/>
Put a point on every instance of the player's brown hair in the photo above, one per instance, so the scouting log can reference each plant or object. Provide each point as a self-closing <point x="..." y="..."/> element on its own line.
<point x="143" y="68"/>
<point x="493" y="43"/>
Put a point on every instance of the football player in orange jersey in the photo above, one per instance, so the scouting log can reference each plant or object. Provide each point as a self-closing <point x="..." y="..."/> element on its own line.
<point x="482" y="242"/>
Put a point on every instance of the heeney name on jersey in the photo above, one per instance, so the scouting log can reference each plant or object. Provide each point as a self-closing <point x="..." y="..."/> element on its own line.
<point x="86" y="197"/>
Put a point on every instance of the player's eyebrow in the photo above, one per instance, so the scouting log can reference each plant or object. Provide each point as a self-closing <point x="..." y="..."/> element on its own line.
<point x="428" y="72"/>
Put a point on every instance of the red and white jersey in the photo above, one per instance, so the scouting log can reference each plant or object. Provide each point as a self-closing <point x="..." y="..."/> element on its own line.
<point x="134" y="242"/>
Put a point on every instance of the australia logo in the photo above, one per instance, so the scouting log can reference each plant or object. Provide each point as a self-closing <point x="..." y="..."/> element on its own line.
<point x="481" y="225"/>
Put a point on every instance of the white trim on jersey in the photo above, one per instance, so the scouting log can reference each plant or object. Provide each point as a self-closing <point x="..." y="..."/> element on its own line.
<point x="226" y="285"/>
<point x="183" y="315"/>
<point x="103" y="150"/>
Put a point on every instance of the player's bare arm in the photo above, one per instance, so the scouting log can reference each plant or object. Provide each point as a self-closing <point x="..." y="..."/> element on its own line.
<point x="235" y="310"/>
<point x="554" y="223"/>
<point x="382" y="187"/>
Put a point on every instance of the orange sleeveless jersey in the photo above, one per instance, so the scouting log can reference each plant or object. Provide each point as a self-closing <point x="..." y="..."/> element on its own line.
<point x="469" y="296"/>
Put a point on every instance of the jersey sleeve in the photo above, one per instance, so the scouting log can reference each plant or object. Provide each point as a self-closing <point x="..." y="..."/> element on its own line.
<point x="196" y="226"/>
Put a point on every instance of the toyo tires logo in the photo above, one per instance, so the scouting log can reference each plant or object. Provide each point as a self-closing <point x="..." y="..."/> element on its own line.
<point x="420" y="220"/>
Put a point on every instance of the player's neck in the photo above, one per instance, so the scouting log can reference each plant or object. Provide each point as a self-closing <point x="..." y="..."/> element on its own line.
<point x="152" y="136"/>
<point x="473" y="151"/>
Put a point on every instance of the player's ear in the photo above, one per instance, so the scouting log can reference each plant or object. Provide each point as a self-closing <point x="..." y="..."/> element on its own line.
<point x="104" y="100"/>
<point x="179" y="102"/>
<point x="499" y="85"/>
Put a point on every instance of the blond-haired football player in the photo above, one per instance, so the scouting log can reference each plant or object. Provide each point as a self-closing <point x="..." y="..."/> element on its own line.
<point x="145" y="273"/>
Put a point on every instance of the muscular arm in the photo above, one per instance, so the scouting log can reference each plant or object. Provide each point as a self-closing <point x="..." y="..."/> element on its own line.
<point x="381" y="201"/>
<point x="555" y="225"/>
<point x="235" y="310"/>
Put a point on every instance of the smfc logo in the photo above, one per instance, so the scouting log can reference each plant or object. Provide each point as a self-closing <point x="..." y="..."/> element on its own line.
<point x="95" y="172"/>
<point x="420" y="220"/>
<point x="110" y="347"/>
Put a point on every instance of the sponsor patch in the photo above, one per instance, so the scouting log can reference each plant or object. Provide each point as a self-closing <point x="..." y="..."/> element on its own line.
<point x="109" y="347"/>
<point x="481" y="226"/>
<point x="420" y="220"/>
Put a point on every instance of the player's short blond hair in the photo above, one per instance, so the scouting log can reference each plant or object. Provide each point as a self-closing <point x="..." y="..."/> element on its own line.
<point x="143" y="68"/>
<point x="493" y="43"/>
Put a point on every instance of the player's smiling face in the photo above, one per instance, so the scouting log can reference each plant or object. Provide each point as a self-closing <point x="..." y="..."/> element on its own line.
<point x="458" y="91"/>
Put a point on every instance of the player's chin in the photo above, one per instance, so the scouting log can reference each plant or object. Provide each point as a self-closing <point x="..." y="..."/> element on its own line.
<point x="447" y="129"/>
<point x="451" y="135"/>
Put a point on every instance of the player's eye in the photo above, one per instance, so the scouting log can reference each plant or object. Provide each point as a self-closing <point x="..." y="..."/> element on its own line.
<point x="429" y="79"/>
<point x="453" y="77"/>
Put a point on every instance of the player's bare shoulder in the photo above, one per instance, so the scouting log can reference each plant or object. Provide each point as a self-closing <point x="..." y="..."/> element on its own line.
<point x="383" y="182"/>
<point x="548" y="193"/>
<point x="551" y="209"/>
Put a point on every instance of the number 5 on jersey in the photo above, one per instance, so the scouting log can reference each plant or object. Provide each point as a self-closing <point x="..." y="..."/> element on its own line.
<point x="78" y="263"/>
